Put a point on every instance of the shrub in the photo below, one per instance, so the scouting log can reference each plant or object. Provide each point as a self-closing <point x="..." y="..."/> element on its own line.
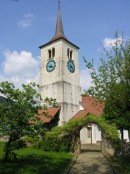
<point x="54" y="141"/>
<point x="66" y="138"/>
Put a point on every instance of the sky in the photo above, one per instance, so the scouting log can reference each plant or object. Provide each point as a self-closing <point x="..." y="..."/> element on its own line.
<point x="27" y="24"/>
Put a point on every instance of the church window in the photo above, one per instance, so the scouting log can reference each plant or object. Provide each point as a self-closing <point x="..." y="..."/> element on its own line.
<point x="69" y="53"/>
<point x="53" y="52"/>
<point x="89" y="132"/>
<point x="49" y="54"/>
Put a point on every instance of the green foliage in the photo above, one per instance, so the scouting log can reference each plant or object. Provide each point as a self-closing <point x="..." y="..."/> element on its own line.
<point x="121" y="164"/>
<point x="2" y="145"/>
<point x="66" y="138"/>
<point x="18" y="115"/>
<point x="62" y="138"/>
<point x="111" y="82"/>
<point x="108" y="131"/>
<point x="54" y="141"/>
<point x="49" y="102"/>
<point x="20" y="108"/>
<point x="32" y="161"/>
<point x="10" y="147"/>
<point x="30" y="141"/>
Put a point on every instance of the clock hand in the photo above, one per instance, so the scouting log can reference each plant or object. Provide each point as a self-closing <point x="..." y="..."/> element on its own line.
<point x="50" y="66"/>
<point x="71" y="66"/>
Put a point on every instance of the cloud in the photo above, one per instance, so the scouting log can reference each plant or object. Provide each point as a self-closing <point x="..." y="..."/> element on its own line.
<point x="23" y="61"/>
<point x="26" y="21"/>
<point x="109" y="42"/>
<point x="85" y="79"/>
<point x="20" y="67"/>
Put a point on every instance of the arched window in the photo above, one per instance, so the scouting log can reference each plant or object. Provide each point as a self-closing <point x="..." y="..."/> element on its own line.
<point x="49" y="54"/>
<point x="53" y="52"/>
<point x="71" y="54"/>
<point x="68" y="52"/>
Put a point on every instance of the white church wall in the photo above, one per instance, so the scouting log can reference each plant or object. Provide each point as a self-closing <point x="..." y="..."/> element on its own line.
<point x="61" y="84"/>
<point x="93" y="134"/>
<point x="81" y="108"/>
<point x="98" y="134"/>
<point x="83" y="136"/>
<point x="90" y="134"/>
<point x="94" y="141"/>
<point x="125" y="135"/>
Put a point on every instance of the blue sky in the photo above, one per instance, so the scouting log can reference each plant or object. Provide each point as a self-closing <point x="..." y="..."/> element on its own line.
<point x="27" y="24"/>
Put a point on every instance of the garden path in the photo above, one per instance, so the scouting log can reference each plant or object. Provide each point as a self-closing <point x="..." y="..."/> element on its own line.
<point x="91" y="161"/>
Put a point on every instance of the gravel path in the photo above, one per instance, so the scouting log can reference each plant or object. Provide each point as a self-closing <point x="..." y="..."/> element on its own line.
<point x="91" y="162"/>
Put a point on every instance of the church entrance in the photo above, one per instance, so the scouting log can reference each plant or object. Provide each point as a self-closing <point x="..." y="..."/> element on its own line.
<point x="86" y="135"/>
<point x="90" y="134"/>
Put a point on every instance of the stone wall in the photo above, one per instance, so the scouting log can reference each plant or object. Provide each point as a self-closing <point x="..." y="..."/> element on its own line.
<point x="61" y="84"/>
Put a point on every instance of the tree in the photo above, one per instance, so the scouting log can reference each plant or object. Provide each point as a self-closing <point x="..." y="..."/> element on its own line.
<point x="18" y="116"/>
<point x="111" y="83"/>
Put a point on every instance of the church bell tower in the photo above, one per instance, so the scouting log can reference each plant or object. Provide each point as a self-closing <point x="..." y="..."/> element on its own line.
<point x="59" y="72"/>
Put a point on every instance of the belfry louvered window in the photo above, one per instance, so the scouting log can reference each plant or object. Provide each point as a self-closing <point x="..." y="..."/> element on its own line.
<point x="51" y="53"/>
<point x="69" y="53"/>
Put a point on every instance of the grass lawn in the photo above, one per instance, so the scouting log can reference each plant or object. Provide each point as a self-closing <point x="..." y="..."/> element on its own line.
<point x="35" y="161"/>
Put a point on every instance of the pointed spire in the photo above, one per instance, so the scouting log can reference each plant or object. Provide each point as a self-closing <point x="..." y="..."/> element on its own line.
<point x="59" y="25"/>
<point x="59" y="4"/>
<point x="59" y="32"/>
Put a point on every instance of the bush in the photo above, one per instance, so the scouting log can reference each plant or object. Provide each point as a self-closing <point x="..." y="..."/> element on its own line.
<point x="66" y="138"/>
<point x="55" y="141"/>
<point x="9" y="149"/>
<point x="30" y="141"/>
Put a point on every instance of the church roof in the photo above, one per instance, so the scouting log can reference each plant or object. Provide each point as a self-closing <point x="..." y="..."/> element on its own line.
<point x="59" y="32"/>
<point x="93" y="105"/>
<point x="47" y="115"/>
<point x="81" y="114"/>
<point x="90" y="106"/>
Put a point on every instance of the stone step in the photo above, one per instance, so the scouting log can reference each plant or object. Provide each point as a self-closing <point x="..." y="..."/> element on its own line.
<point x="90" y="148"/>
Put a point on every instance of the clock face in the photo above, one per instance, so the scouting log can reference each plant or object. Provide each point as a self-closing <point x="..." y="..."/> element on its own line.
<point x="50" y="65"/>
<point x="71" y="66"/>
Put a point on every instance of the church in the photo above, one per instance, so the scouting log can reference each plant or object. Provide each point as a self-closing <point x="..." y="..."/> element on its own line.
<point x="59" y="72"/>
<point x="60" y="79"/>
